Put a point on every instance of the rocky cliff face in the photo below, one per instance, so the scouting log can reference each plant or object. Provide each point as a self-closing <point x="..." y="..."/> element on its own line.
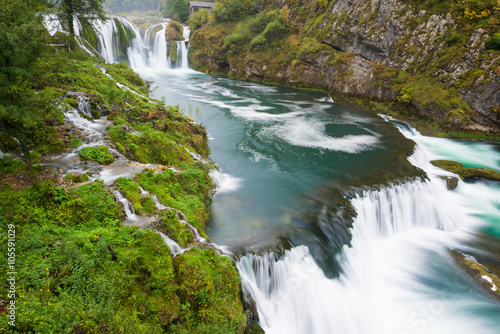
<point x="425" y="61"/>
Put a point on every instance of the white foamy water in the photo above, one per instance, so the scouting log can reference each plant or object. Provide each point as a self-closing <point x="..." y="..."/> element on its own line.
<point x="396" y="276"/>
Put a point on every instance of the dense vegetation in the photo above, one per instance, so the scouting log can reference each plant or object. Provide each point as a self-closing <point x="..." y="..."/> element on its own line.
<point x="277" y="42"/>
<point x="79" y="270"/>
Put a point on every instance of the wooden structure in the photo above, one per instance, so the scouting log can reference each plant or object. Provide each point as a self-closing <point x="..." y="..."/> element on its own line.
<point x="195" y="6"/>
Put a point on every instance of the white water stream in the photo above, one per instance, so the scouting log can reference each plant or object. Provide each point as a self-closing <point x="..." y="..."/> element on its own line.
<point x="399" y="245"/>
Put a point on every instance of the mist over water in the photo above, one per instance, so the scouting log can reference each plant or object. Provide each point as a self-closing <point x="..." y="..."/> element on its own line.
<point x="335" y="231"/>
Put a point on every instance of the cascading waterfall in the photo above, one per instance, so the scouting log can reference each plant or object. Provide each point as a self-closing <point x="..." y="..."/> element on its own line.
<point x="143" y="52"/>
<point x="399" y="243"/>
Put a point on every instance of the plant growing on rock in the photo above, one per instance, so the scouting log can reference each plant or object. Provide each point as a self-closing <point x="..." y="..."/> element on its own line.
<point x="100" y="154"/>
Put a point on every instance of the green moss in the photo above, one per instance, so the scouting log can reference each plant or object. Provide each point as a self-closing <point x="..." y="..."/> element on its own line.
<point x="170" y="225"/>
<point x="188" y="191"/>
<point x="172" y="51"/>
<point x="77" y="142"/>
<point x="131" y="190"/>
<point x="100" y="154"/>
<point x="77" y="177"/>
<point x="209" y="289"/>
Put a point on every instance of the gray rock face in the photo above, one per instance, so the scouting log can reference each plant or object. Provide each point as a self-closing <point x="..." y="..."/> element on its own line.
<point x="373" y="35"/>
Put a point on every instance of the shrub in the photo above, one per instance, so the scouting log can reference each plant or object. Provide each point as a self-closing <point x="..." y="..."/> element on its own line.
<point x="198" y="20"/>
<point x="275" y="30"/>
<point x="235" y="39"/>
<point x="258" y="43"/>
<point x="76" y="143"/>
<point x="100" y="154"/>
<point x="9" y="164"/>
<point x="493" y="42"/>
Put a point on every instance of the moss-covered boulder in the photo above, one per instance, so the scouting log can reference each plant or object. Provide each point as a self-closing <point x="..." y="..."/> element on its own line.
<point x="210" y="290"/>
<point x="169" y="224"/>
<point x="467" y="173"/>
<point x="173" y="31"/>
<point x="100" y="154"/>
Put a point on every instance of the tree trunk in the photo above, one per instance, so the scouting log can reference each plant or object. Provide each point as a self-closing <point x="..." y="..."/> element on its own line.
<point x="29" y="162"/>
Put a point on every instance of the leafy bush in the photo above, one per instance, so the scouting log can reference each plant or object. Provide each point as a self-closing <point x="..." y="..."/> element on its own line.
<point x="275" y="30"/>
<point x="235" y="39"/>
<point x="493" y="42"/>
<point x="258" y="43"/>
<point x="100" y="154"/>
<point x="76" y="143"/>
<point x="198" y="20"/>
<point x="232" y="10"/>
<point x="77" y="177"/>
<point x="9" y="164"/>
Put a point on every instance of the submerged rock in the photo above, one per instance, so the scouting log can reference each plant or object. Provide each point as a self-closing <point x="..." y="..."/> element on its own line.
<point x="488" y="280"/>
<point x="451" y="182"/>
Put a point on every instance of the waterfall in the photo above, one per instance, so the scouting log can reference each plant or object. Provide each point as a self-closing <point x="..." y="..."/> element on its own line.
<point x="396" y="277"/>
<point x="117" y="39"/>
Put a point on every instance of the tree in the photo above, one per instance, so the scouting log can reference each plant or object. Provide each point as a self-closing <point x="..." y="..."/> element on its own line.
<point x="22" y="41"/>
<point x="83" y="10"/>
<point x="178" y="9"/>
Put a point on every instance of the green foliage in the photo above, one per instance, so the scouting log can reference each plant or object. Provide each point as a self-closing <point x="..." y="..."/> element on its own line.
<point x="176" y="9"/>
<point x="79" y="270"/>
<point x="173" y="31"/>
<point x="142" y="205"/>
<point x="170" y="225"/>
<point x="275" y="30"/>
<point x="189" y="191"/>
<point x="235" y="39"/>
<point x="198" y="20"/>
<point x="493" y="42"/>
<point x="406" y="94"/>
<point x="259" y="43"/>
<point x="77" y="177"/>
<point x="209" y="286"/>
<point x="100" y="154"/>
<point x="83" y="10"/>
<point x="9" y="164"/>
<point x="232" y="10"/>
<point x="77" y="142"/>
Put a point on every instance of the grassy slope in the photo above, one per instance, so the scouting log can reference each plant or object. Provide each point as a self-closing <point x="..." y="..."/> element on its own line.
<point x="80" y="270"/>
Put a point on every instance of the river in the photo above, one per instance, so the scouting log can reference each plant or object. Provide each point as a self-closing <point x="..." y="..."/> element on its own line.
<point x="339" y="221"/>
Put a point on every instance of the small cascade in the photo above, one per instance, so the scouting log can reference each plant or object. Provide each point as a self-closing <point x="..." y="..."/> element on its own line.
<point x="84" y="105"/>
<point x="129" y="208"/>
<point x="175" y="248"/>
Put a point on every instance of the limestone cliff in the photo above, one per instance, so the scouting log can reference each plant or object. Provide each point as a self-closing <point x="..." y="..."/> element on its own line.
<point x="428" y="60"/>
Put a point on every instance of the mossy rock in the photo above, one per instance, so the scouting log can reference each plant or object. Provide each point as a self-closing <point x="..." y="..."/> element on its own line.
<point x="173" y="31"/>
<point x="77" y="177"/>
<point x="467" y="173"/>
<point x="100" y="154"/>
<point x="169" y="224"/>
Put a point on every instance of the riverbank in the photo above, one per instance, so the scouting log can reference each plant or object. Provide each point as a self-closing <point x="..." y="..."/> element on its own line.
<point x="113" y="168"/>
<point x="440" y="72"/>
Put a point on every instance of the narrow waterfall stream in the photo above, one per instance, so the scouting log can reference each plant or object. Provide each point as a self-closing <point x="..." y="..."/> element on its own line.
<point x="335" y="231"/>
